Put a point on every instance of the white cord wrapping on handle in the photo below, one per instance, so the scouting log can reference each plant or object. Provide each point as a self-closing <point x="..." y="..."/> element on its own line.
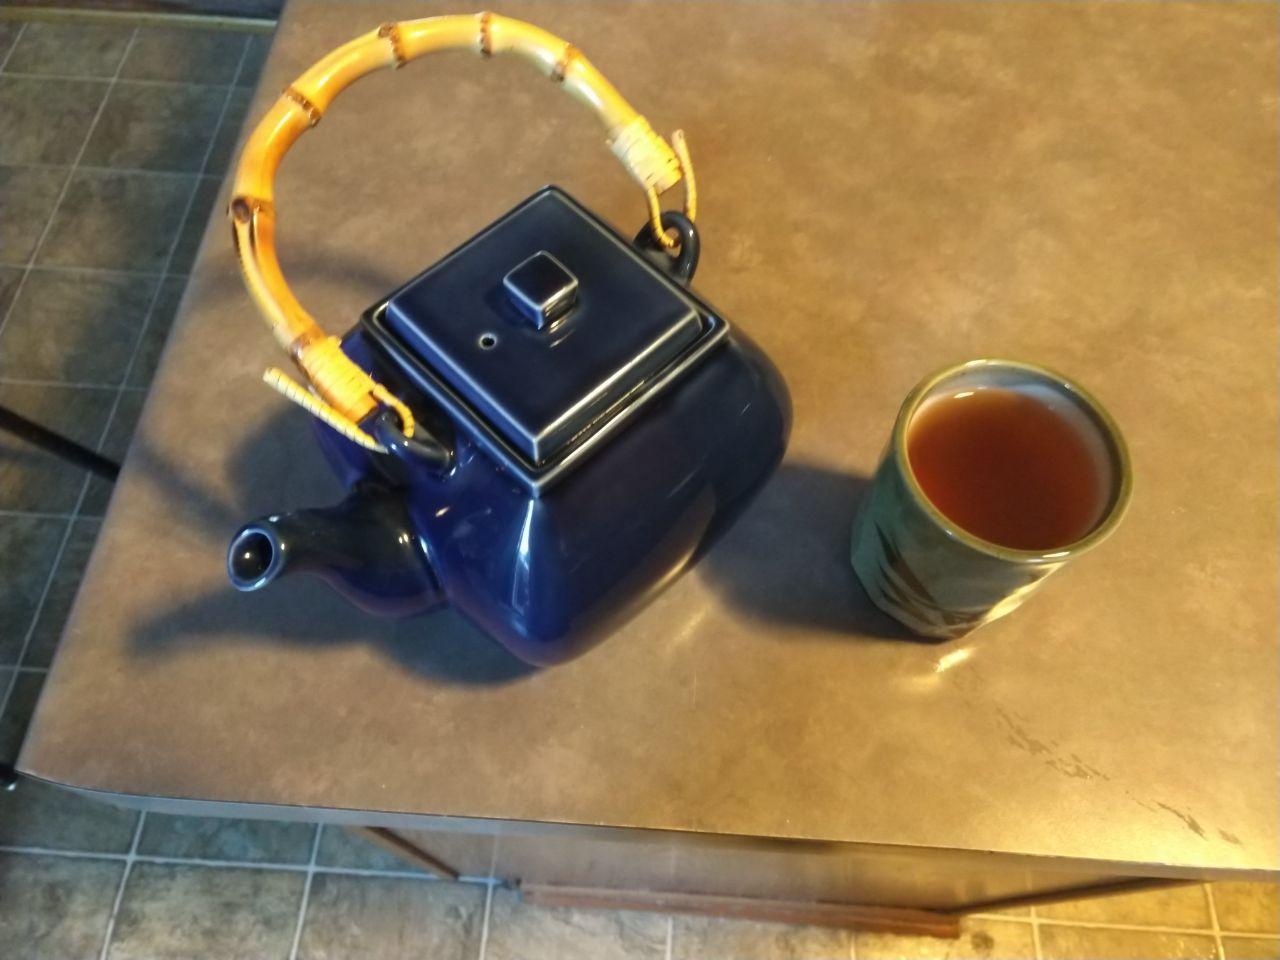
<point x="290" y="389"/>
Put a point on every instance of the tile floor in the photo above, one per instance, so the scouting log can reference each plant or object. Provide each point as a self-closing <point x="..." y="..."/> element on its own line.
<point x="115" y="138"/>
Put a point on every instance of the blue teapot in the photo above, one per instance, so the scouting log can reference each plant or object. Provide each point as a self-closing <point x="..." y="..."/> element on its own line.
<point x="560" y="427"/>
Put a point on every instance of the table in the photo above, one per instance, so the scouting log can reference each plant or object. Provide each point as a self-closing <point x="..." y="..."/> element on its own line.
<point x="885" y="188"/>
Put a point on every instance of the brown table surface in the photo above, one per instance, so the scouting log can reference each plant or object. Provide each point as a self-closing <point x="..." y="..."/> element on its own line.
<point x="886" y="187"/>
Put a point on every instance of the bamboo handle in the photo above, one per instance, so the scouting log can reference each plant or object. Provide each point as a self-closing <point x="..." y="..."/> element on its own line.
<point x="348" y="393"/>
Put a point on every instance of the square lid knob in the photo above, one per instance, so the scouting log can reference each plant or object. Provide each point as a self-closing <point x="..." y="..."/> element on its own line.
<point x="542" y="289"/>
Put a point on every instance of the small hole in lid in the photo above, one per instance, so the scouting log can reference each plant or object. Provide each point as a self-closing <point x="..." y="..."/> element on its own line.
<point x="487" y="341"/>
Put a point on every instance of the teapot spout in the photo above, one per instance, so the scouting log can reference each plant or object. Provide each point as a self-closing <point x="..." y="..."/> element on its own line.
<point x="365" y="547"/>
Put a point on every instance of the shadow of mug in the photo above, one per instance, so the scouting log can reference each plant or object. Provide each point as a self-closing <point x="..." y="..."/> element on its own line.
<point x="786" y="559"/>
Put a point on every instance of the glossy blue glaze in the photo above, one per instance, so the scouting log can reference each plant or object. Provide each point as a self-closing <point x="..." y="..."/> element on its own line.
<point x="548" y="569"/>
<point x="549" y="576"/>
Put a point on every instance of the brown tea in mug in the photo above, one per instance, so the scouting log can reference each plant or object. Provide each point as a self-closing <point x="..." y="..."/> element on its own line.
<point x="1021" y="469"/>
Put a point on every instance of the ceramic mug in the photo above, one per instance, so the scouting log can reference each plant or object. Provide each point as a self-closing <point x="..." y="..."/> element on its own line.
<point x="933" y="576"/>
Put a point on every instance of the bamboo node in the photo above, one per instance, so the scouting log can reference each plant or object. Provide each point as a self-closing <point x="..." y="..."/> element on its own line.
<point x="300" y="99"/>
<point x="243" y="208"/>
<point x="302" y="341"/>
<point x="486" y="39"/>
<point x="391" y="32"/>
<point x="567" y="56"/>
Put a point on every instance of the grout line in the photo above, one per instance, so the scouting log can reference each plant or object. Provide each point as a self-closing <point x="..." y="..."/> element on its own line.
<point x="22" y="27"/>
<point x="124" y="879"/>
<point x="213" y="23"/>
<point x="1011" y="917"/>
<point x="235" y="76"/>
<point x="242" y="864"/>
<point x="493" y="859"/>
<point x="138" y="81"/>
<point x="68" y="854"/>
<point x="101" y="168"/>
<point x="1213" y="919"/>
<point x="88" y="271"/>
<point x="98" y="171"/>
<point x="143" y="171"/>
<point x="1035" y="932"/>
<point x="1093" y="925"/>
<point x="71" y="384"/>
<point x="36" y="515"/>
<point x="1038" y="921"/>
<point x="671" y="933"/>
<point x="306" y="893"/>
<point x="484" y="926"/>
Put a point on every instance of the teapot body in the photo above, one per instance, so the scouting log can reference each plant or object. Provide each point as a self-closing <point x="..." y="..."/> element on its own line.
<point x="582" y="426"/>
<point x="549" y="573"/>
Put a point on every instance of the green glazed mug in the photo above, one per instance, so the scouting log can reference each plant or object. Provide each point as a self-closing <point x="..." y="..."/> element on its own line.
<point x="930" y="574"/>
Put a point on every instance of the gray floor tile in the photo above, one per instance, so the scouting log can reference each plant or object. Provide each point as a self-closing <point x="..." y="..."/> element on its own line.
<point x="31" y="479"/>
<point x="10" y="277"/>
<point x="190" y="55"/>
<point x="212" y="913"/>
<point x="27" y="196"/>
<point x="70" y="49"/>
<point x="1250" y="948"/>
<point x="518" y="931"/>
<point x="342" y="848"/>
<point x="62" y="591"/>
<point x="117" y="221"/>
<point x="217" y="838"/>
<point x="259" y="45"/>
<point x="1248" y="907"/>
<point x="28" y="548"/>
<point x="979" y="938"/>
<point x="1174" y="907"/>
<point x="1085" y="943"/>
<point x="55" y="908"/>
<point x="38" y="814"/>
<point x="707" y="938"/>
<point x="75" y="327"/>
<point x="222" y="154"/>
<point x="149" y="127"/>
<point x="17" y="713"/>
<point x="114" y="447"/>
<point x="46" y="121"/>
<point x="202" y="208"/>
<point x="391" y="919"/>
<point x="157" y="331"/>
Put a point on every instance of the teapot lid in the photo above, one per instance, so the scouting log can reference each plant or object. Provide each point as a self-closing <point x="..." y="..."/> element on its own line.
<point x="544" y="326"/>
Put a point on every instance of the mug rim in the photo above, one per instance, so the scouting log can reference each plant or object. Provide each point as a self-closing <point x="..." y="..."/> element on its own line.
<point x="1119" y="501"/>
